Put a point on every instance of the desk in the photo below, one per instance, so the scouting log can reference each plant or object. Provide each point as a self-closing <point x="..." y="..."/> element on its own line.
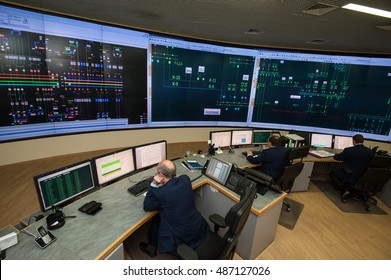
<point x="97" y="237"/>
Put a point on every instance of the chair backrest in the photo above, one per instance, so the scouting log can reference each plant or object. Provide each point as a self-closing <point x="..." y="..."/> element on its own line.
<point x="298" y="153"/>
<point x="235" y="219"/>
<point x="373" y="180"/>
<point x="289" y="175"/>
<point x="381" y="161"/>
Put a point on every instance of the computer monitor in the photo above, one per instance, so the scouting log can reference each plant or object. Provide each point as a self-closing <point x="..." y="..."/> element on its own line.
<point x="113" y="166"/>
<point x="62" y="186"/>
<point x="220" y="139"/>
<point x="241" y="137"/>
<point x="150" y="154"/>
<point x="322" y="140"/>
<point x="342" y="142"/>
<point x="218" y="170"/>
<point x="304" y="134"/>
<point x="261" y="137"/>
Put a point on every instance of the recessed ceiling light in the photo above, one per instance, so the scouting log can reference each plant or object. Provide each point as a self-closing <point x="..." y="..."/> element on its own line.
<point x="367" y="10"/>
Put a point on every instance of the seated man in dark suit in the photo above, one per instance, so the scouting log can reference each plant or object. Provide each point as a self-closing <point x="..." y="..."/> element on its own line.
<point x="178" y="220"/>
<point x="273" y="159"/>
<point x="356" y="160"/>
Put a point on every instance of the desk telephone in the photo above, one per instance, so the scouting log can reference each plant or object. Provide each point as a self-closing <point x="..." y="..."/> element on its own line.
<point x="45" y="237"/>
<point x="91" y="207"/>
<point x="237" y="183"/>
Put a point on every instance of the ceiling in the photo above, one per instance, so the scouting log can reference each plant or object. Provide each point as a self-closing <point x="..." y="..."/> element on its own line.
<point x="256" y="23"/>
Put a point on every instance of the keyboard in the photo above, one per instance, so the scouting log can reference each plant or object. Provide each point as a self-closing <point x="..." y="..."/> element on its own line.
<point x="255" y="152"/>
<point x="140" y="187"/>
<point x="321" y="153"/>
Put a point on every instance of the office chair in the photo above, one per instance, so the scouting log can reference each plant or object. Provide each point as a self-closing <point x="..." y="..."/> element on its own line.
<point x="381" y="162"/>
<point x="291" y="172"/>
<point x="286" y="180"/>
<point x="370" y="183"/>
<point x="214" y="246"/>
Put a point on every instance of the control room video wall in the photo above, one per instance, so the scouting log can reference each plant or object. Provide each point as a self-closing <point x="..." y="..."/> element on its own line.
<point x="62" y="76"/>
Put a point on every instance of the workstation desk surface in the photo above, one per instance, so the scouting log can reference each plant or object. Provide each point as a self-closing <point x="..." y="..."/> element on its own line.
<point x="97" y="236"/>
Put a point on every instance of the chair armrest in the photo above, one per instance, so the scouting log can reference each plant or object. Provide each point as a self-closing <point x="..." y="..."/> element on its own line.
<point x="185" y="252"/>
<point x="218" y="221"/>
<point x="261" y="175"/>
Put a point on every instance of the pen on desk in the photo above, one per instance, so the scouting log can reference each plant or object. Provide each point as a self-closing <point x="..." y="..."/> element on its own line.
<point x="70" y="217"/>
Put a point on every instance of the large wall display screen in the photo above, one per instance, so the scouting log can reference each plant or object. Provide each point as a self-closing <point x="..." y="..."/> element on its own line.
<point x="61" y="76"/>
<point x="58" y="71"/>
<point x="194" y="82"/>
<point x="344" y="93"/>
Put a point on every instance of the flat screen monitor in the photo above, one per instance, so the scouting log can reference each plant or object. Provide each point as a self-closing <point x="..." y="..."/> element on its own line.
<point x="242" y="137"/>
<point x="220" y="139"/>
<point x="342" y="142"/>
<point x="113" y="166"/>
<point x="150" y="154"/>
<point x="322" y="140"/>
<point x="218" y="170"/>
<point x="61" y="186"/>
<point x="261" y="137"/>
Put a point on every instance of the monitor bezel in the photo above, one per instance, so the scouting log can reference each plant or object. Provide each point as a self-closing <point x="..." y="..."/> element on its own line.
<point x="62" y="170"/>
<point x="220" y="131"/>
<point x="342" y="136"/>
<point x="95" y="170"/>
<point x="209" y="174"/>
<point x="251" y="134"/>
<point x="145" y="145"/>
<point x="327" y="147"/>
<point x="271" y="132"/>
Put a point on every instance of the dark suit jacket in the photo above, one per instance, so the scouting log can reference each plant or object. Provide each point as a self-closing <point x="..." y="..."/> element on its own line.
<point x="180" y="221"/>
<point x="273" y="160"/>
<point x="356" y="159"/>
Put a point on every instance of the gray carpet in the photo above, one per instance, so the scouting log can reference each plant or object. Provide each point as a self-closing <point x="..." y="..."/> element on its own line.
<point x="289" y="219"/>
<point x="351" y="205"/>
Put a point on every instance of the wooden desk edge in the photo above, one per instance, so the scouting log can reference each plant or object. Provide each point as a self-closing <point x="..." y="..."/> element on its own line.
<point x="131" y="230"/>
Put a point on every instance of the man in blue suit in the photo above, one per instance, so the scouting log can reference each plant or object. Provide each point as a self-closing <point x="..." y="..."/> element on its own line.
<point x="355" y="161"/>
<point x="273" y="159"/>
<point x="178" y="220"/>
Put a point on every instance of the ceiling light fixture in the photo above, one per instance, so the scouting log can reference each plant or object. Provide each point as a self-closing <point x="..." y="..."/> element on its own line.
<point x="367" y="10"/>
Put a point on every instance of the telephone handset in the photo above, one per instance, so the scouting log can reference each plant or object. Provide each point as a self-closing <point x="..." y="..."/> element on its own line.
<point x="45" y="237"/>
<point x="205" y="167"/>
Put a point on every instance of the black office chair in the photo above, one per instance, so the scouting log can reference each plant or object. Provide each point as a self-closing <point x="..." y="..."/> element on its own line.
<point x="291" y="172"/>
<point x="370" y="183"/>
<point x="216" y="247"/>
<point x="287" y="180"/>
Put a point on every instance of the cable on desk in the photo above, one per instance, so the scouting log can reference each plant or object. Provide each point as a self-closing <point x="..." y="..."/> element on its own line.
<point x="37" y="218"/>
<point x="196" y="178"/>
<point x="25" y="231"/>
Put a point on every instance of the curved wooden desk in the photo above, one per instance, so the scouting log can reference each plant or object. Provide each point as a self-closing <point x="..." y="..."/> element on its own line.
<point x="98" y="236"/>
